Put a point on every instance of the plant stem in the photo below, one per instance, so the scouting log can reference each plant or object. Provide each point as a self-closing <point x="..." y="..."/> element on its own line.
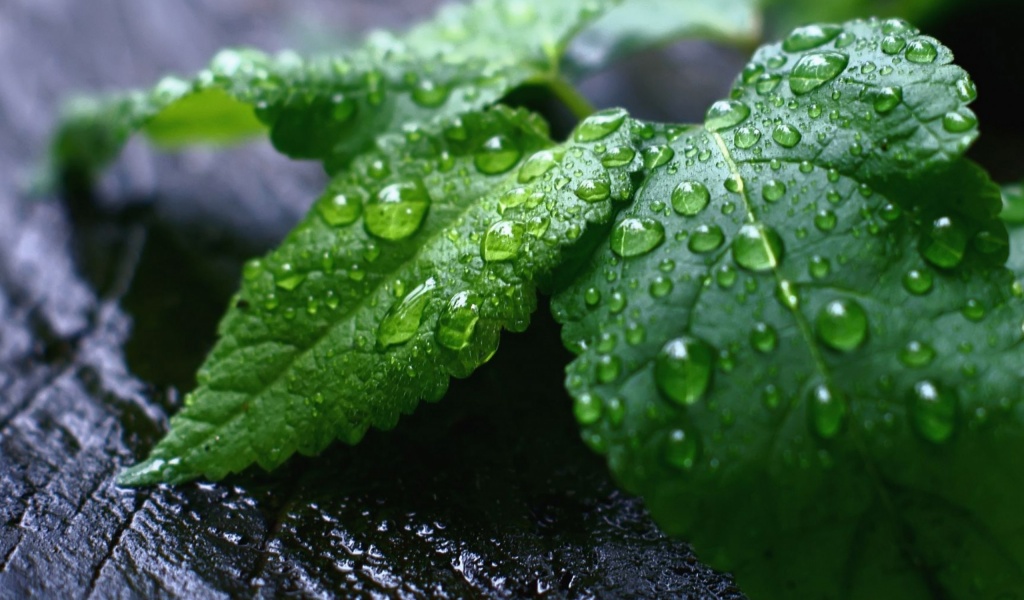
<point x="571" y="97"/>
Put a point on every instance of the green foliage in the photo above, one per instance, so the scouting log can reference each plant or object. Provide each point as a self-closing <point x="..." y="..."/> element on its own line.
<point x="798" y="337"/>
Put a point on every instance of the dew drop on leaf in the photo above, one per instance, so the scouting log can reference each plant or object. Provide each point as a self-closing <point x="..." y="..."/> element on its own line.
<point x="892" y="44"/>
<point x="600" y="125"/>
<point x="763" y="338"/>
<point x="767" y="83"/>
<point x="933" y="410"/>
<point x="588" y="408"/>
<point x="757" y="247"/>
<point x="842" y="325"/>
<point x="973" y="310"/>
<point x="339" y="209"/>
<point x="773" y="190"/>
<point x="502" y="241"/>
<point x="746" y="137"/>
<point x="397" y="210"/>
<point x="965" y="89"/>
<point x="810" y="36"/>
<point x="618" y="156"/>
<point x="681" y="449"/>
<point x="537" y="165"/>
<point x="682" y="369"/>
<point x="918" y="282"/>
<point x="819" y="267"/>
<point x="921" y="52"/>
<point x="917" y="354"/>
<point x="661" y="286"/>
<point x="786" y="136"/>
<point x="403" y="319"/>
<point x="815" y="70"/>
<point x="458" y="320"/>
<point x="827" y="411"/>
<point x="825" y="220"/>
<point x="705" y="238"/>
<point x="690" y="198"/>
<point x="594" y="190"/>
<point x="955" y="122"/>
<point x="608" y="368"/>
<point x="429" y="94"/>
<point x="657" y="155"/>
<point x="636" y="236"/>
<point x="725" y="114"/>
<point x="497" y="155"/>
<point x="944" y="243"/>
<point x="887" y="98"/>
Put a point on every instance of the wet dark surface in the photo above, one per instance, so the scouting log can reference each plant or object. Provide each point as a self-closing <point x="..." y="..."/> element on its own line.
<point x="108" y="302"/>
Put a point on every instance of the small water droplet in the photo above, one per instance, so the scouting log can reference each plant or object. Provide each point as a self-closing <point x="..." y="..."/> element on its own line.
<point x="786" y="136"/>
<point x="973" y="310"/>
<point x="773" y="191"/>
<point x="767" y="83"/>
<point x="934" y="411"/>
<point x="810" y="36"/>
<point x="921" y="52"/>
<point x="955" y="122"/>
<point x="917" y="354"/>
<point x="537" y="165"/>
<point x="594" y="190"/>
<point x="705" y="238"/>
<point x="429" y="93"/>
<point x="608" y="368"/>
<point x="661" y="286"/>
<point x="397" y="210"/>
<point x="819" y="267"/>
<point x="497" y="155"/>
<point x="966" y="90"/>
<point x="763" y="338"/>
<point x="825" y="220"/>
<point x="502" y="241"/>
<point x="339" y="209"/>
<point x="734" y="183"/>
<point x="827" y="411"/>
<point x="725" y="114"/>
<point x="681" y="449"/>
<point x="842" y="325"/>
<point x="887" y="98"/>
<point x="944" y="243"/>
<point x="918" y="282"/>
<point x="815" y="70"/>
<point x="600" y="125"/>
<point x="757" y="247"/>
<point x="592" y="296"/>
<point x="588" y="408"/>
<point x="458" y="320"/>
<point x="892" y="44"/>
<point x="682" y="369"/>
<point x="618" y="156"/>
<point x="636" y="236"/>
<point x="690" y="197"/>
<point x="288" y="279"/>
<point x="403" y="319"/>
<point x="252" y="269"/>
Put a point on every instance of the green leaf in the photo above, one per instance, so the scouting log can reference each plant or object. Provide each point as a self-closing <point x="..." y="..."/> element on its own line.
<point x="1013" y="216"/>
<point x="812" y="370"/>
<point x="331" y="107"/>
<point x="401" y="276"/>
<point x="637" y="25"/>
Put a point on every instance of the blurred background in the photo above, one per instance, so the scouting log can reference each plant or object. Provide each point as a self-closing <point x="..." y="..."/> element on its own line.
<point x="109" y="300"/>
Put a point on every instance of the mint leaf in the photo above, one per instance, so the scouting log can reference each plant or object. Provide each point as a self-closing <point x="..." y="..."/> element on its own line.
<point x="640" y="24"/>
<point x="801" y="346"/>
<point x="402" y="275"/>
<point x="331" y="107"/>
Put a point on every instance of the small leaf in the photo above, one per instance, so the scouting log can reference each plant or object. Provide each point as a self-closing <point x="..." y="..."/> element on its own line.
<point x="402" y="275"/>
<point x="817" y="378"/>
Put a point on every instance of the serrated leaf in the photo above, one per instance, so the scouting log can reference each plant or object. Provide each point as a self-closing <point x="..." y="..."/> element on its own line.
<point x="641" y="24"/>
<point x="816" y="377"/>
<point x="331" y="107"/>
<point x="401" y="276"/>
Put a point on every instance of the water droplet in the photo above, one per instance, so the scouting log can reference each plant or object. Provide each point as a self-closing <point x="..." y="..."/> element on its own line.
<point x="892" y="44"/>
<point x="592" y="296"/>
<point x="497" y="155"/>
<point x="403" y="319"/>
<point x="918" y="282"/>
<point x="657" y="155"/>
<point x="429" y="93"/>
<point x="825" y="220"/>
<point x="690" y="197"/>
<point x="788" y="294"/>
<point x="288" y="279"/>
<point x="502" y="241"/>
<point x="842" y="324"/>
<point x="397" y="211"/>
<point x="944" y="243"/>
<point x="636" y="236"/>
<point x="537" y="165"/>
<point x="921" y="52"/>
<point x="594" y="190"/>
<point x="767" y="83"/>
<point x="608" y="368"/>
<point x="771" y="397"/>
<point x="600" y="125"/>
<point x="815" y="70"/>
<point x="682" y="369"/>
<point x="917" y="354"/>
<point x="810" y="36"/>
<point x="681" y="449"/>
<point x="757" y="247"/>
<point x="955" y="122"/>
<point x="819" y="267"/>
<point x="773" y="191"/>
<point x="617" y="303"/>
<point x="934" y="411"/>
<point x="890" y="212"/>
<point x="827" y="411"/>
<point x="786" y="136"/>
<point x="763" y="338"/>
<point x="458" y="320"/>
<point x="340" y="209"/>
<point x="705" y="238"/>
<point x="973" y="310"/>
<point x="588" y="408"/>
<point x="746" y="137"/>
<point x="966" y="90"/>
<point x="252" y="269"/>
<point x="618" y="156"/>
<point x="661" y="286"/>
<point x="725" y="114"/>
<point x="887" y="98"/>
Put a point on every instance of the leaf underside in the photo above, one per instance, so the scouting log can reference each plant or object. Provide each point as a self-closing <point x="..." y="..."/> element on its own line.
<point x="814" y="371"/>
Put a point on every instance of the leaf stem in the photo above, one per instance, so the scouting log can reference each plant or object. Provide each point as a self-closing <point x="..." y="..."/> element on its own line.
<point x="571" y="97"/>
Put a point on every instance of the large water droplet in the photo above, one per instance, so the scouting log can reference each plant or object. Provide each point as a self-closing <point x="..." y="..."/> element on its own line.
<point x="934" y="411"/>
<point x="397" y="211"/>
<point x="955" y="122"/>
<point x="757" y="247"/>
<point x="887" y="98"/>
<point x="891" y="44"/>
<point x="594" y="190"/>
<point x="588" y="408"/>
<point x="497" y="155"/>
<point x="600" y="124"/>
<point x="403" y="319"/>
<point x="502" y="241"/>
<point x="681" y="449"/>
<point x="825" y="220"/>
<point x="786" y="136"/>
<point x="682" y="369"/>
<point x="810" y="36"/>
<point x="458" y="320"/>
<point x="657" y="155"/>
<point x="725" y="114"/>
<point x="608" y="368"/>
<point x="537" y="165"/>
<point x="636" y="236"/>
<point x="773" y="190"/>
<point x="690" y="197"/>
<point x="618" y="156"/>
<point x="921" y="52"/>
<point x="815" y="70"/>
<point x="746" y="137"/>
<point x="842" y="324"/>
<point x="944" y="243"/>
<point x="827" y="411"/>
<point x="340" y="209"/>
<point x="705" y="238"/>
<point x="918" y="282"/>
